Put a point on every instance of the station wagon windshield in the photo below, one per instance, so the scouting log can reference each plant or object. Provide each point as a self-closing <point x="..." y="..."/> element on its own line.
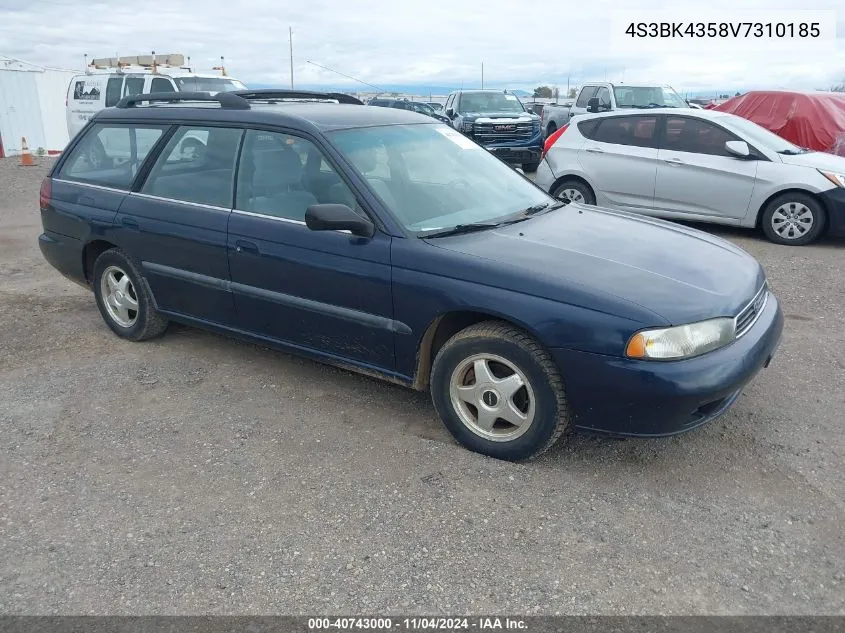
<point x="432" y="177"/>
<point x="647" y="97"/>
<point x="208" y="84"/>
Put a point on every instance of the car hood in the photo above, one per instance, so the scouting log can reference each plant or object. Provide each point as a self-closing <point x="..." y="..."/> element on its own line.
<point x="677" y="273"/>
<point x="817" y="160"/>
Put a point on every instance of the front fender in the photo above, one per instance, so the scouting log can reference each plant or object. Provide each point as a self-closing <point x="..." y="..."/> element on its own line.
<point x="446" y="284"/>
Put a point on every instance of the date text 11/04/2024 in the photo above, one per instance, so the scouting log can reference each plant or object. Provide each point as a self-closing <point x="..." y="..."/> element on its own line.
<point x="724" y="29"/>
<point x="418" y="624"/>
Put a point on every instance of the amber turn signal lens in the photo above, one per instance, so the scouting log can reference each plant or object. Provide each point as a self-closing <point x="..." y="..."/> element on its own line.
<point x="636" y="347"/>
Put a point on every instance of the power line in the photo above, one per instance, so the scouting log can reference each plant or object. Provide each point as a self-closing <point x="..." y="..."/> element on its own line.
<point x="332" y="70"/>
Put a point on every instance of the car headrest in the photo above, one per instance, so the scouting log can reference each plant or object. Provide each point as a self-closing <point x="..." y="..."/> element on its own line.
<point x="277" y="166"/>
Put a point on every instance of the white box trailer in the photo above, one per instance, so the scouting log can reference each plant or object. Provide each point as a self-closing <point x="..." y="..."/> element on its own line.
<point x="32" y="106"/>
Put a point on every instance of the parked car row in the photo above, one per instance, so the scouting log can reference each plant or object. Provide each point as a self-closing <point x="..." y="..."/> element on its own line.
<point x="389" y="243"/>
<point x="413" y="106"/>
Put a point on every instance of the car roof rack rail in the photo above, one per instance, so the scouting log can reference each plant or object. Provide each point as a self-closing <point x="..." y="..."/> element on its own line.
<point x="227" y="100"/>
<point x="281" y="94"/>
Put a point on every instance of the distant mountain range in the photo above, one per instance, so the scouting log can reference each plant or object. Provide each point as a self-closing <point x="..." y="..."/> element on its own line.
<point x="422" y="91"/>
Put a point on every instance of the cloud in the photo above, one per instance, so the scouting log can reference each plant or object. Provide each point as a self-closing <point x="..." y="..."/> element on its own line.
<point x="439" y="42"/>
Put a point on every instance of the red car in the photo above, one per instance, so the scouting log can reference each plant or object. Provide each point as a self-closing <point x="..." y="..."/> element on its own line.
<point x="815" y="120"/>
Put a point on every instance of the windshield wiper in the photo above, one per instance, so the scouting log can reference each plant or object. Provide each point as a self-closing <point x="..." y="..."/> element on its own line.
<point x="524" y="214"/>
<point x="537" y="208"/>
<point x="460" y="228"/>
<point x="792" y="152"/>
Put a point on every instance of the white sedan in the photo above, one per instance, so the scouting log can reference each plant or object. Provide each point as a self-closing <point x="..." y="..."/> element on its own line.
<point x="697" y="165"/>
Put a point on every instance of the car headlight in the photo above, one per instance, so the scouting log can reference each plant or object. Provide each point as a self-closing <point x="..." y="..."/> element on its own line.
<point x="682" y="341"/>
<point x="832" y="176"/>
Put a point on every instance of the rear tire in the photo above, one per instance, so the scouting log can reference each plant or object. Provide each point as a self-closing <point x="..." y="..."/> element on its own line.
<point x="530" y="167"/>
<point x="574" y="191"/>
<point x="123" y="299"/>
<point x="793" y="219"/>
<point x="499" y="392"/>
<point x="551" y="129"/>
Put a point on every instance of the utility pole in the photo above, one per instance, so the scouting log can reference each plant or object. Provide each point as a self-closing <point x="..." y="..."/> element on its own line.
<point x="290" y="39"/>
<point x="482" y="75"/>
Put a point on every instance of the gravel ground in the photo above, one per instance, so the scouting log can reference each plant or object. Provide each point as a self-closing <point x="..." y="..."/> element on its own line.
<point x="193" y="474"/>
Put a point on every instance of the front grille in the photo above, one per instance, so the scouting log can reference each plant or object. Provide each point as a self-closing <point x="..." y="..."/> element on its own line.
<point x="750" y="313"/>
<point x="497" y="132"/>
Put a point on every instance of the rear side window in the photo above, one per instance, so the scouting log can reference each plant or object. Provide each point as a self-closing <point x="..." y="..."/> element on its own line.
<point x="160" y="84"/>
<point x="110" y="155"/>
<point x="588" y="128"/>
<point x="113" y="88"/>
<point x="134" y="86"/>
<point x="197" y="165"/>
<point x="637" y="131"/>
<point x="696" y="136"/>
<point x="587" y="93"/>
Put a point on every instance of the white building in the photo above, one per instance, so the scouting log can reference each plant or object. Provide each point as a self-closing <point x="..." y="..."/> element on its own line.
<point x="32" y="106"/>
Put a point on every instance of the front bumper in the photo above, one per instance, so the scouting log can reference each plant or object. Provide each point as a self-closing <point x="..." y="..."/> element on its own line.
<point x="652" y="398"/>
<point x="834" y="202"/>
<point x="516" y="154"/>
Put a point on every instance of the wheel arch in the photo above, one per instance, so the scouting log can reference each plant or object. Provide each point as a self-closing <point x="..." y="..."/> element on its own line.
<point x="90" y="253"/>
<point x="758" y="221"/>
<point x="442" y="328"/>
<point x="561" y="179"/>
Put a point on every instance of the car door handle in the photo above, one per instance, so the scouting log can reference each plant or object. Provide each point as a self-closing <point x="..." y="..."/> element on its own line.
<point x="595" y="150"/>
<point x="673" y="161"/>
<point x="242" y="246"/>
<point x="129" y="223"/>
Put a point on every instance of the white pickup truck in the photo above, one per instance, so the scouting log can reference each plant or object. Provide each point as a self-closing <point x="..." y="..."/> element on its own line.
<point x="604" y="97"/>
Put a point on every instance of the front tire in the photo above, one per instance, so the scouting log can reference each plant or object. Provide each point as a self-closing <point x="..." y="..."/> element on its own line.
<point x="123" y="298"/>
<point x="574" y="191"/>
<point x="498" y="392"/>
<point x="794" y="219"/>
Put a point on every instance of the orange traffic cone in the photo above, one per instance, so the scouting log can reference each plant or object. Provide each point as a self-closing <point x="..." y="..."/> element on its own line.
<point x="26" y="157"/>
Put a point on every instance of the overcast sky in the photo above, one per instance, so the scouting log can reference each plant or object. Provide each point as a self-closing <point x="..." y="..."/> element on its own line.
<point x="522" y="43"/>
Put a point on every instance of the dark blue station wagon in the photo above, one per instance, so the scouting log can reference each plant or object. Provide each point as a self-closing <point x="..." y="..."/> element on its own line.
<point x="385" y="242"/>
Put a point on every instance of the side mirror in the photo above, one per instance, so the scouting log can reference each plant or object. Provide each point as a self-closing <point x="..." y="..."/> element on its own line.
<point x="450" y="113"/>
<point x="337" y="217"/>
<point x="739" y="149"/>
<point x="593" y="105"/>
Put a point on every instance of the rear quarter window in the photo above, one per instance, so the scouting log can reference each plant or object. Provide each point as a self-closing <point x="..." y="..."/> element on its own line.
<point x="588" y="128"/>
<point x="110" y="155"/>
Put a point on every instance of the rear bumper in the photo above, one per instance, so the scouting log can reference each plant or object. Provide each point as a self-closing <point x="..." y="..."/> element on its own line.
<point x="834" y="201"/>
<point x="651" y="399"/>
<point x="544" y="177"/>
<point x="64" y="254"/>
